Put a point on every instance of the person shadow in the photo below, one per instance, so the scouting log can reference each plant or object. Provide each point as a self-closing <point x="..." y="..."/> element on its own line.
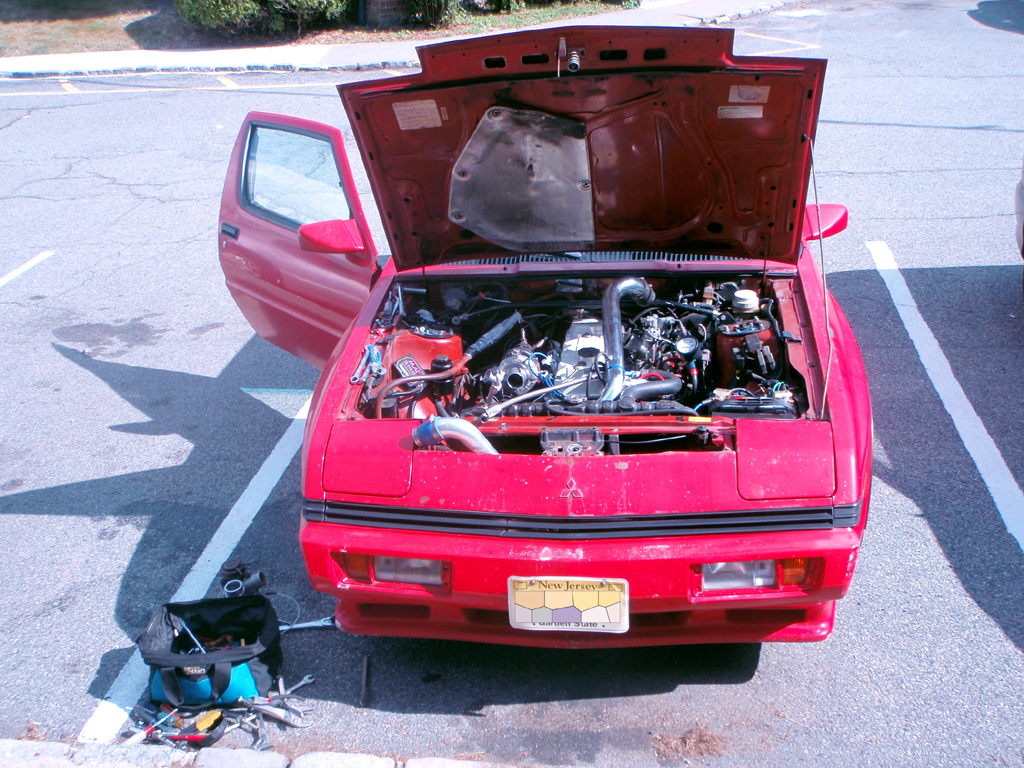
<point x="1005" y="15"/>
<point x="177" y="507"/>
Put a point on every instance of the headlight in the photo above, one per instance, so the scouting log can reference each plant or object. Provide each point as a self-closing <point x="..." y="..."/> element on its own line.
<point x="745" y="574"/>
<point x="409" y="570"/>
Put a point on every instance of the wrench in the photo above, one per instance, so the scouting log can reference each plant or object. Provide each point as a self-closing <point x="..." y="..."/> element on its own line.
<point x="324" y="622"/>
<point x="363" y="362"/>
<point x="370" y="362"/>
<point x="304" y="681"/>
<point x="247" y="721"/>
<point x="262" y="742"/>
<point x="286" y="716"/>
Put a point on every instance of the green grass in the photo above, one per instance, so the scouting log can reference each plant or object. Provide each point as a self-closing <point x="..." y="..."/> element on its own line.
<point x="69" y="26"/>
<point x="467" y="22"/>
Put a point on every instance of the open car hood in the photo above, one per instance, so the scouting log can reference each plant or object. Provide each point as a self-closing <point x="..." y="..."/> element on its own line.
<point x="661" y="141"/>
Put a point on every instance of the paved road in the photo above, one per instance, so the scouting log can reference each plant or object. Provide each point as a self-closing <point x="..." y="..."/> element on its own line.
<point x="137" y="406"/>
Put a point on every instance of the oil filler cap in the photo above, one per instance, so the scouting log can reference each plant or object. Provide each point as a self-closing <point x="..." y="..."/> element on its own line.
<point x="744" y="301"/>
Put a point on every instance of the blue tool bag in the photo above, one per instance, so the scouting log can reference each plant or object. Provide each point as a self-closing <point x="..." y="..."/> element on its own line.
<point x="212" y="651"/>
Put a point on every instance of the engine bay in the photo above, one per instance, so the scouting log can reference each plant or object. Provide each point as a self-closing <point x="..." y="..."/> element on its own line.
<point x="464" y="354"/>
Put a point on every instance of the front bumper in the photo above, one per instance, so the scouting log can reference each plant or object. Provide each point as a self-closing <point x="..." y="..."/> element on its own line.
<point x="667" y="606"/>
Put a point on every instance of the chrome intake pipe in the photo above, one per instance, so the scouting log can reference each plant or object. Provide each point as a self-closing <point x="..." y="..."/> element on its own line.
<point x="438" y="428"/>
<point x="639" y="290"/>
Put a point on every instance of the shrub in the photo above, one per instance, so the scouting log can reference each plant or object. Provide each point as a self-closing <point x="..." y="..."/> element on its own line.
<point x="236" y="16"/>
<point x="224" y="15"/>
<point x="431" y="13"/>
<point x="303" y="12"/>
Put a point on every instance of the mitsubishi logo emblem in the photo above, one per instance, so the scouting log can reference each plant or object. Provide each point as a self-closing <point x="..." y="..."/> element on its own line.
<point x="571" y="491"/>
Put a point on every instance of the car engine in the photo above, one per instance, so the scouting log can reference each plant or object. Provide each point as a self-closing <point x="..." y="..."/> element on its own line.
<point x="593" y="349"/>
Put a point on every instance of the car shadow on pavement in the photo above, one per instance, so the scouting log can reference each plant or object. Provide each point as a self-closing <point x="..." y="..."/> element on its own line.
<point x="975" y="313"/>
<point x="1006" y="15"/>
<point x="448" y="677"/>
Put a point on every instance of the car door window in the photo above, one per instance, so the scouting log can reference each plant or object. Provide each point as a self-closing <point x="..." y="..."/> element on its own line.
<point x="292" y="177"/>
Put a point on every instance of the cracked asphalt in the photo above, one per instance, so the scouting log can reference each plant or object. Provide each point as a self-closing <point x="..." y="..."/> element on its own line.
<point x="138" y="404"/>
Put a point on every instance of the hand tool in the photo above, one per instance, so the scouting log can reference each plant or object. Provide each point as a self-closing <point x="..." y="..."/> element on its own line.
<point x="207" y="720"/>
<point x="327" y="621"/>
<point x="278" y="713"/>
<point x="180" y="621"/>
<point x="148" y="730"/>
<point x="304" y="681"/>
<point x="371" y="356"/>
<point x="262" y="742"/>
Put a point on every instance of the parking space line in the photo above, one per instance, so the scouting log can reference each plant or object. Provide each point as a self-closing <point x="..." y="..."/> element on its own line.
<point x="25" y="267"/>
<point x="67" y="86"/>
<point x="168" y="89"/>
<point x="227" y="82"/>
<point x="112" y="713"/>
<point x="798" y="45"/>
<point x="1005" y="492"/>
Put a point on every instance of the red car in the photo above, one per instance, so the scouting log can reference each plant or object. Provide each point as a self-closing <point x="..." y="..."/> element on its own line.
<point x="598" y="396"/>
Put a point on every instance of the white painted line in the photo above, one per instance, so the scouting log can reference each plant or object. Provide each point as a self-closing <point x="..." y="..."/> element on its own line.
<point x="796" y="45"/>
<point x="650" y="5"/>
<point x="227" y="82"/>
<point x="156" y="90"/>
<point x="25" y="267"/>
<point x="111" y="715"/>
<point x="1005" y="492"/>
<point x="68" y="87"/>
<point x="241" y="515"/>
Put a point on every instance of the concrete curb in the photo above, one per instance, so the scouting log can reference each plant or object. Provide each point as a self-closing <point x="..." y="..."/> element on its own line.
<point x="81" y="72"/>
<point x="296" y="58"/>
<point x="15" y="753"/>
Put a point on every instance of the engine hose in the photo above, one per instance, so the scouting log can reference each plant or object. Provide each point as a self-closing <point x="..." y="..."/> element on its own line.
<point x="641" y="292"/>
<point x="651" y="390"/>
<point x="436" y="429"/>
<point x="381" y="393"/>
<point x="780" y="368"/>
<point x="677" y="409"/>
<point x="494" y="335"/>
<point x="692" y="308"/>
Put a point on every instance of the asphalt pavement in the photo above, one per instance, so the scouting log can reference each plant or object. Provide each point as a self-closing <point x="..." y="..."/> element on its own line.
<point x="137" y="408"/>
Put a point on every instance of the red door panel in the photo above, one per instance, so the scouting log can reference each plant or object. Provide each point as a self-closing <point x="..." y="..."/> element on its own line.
<point x="287" y="173"/>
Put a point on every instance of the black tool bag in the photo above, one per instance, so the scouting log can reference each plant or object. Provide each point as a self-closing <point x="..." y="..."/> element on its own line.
<point x="243" y="650"/>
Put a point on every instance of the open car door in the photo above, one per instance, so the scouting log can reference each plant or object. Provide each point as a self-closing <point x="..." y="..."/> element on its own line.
<point x="294" y="244"/>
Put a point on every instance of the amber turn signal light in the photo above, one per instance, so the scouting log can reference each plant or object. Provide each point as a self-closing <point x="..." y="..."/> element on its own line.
<point x="795" y="571"/>
<point x="356" y="566"/>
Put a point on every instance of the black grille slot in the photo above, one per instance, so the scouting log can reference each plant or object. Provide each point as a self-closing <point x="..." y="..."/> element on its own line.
<point x="563" y="527"/>
<point x="599" y="257"/>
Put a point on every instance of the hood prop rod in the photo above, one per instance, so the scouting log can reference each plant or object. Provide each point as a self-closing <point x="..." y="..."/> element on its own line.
<point x="824" y="284"/>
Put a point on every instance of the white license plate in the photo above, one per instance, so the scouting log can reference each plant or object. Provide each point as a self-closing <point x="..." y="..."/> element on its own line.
<point x="568" y="604"/>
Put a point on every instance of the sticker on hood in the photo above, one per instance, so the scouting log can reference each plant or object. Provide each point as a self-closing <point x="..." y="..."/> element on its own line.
<point x="734" y="113"/>
<point x="749" y="94"/>
<point x="412" y="115"/>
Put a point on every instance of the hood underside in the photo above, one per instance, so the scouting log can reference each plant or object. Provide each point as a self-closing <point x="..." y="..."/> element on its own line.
<point x="660" y="140"/>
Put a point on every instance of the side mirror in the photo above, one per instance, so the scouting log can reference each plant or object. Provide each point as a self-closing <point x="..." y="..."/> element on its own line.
<point x="335" y="236"/>
<point x="834" y="218"/>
